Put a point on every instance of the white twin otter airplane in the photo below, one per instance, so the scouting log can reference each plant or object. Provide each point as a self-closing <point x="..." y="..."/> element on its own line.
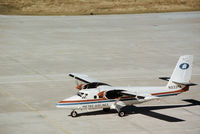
<point x="94" y="94"/>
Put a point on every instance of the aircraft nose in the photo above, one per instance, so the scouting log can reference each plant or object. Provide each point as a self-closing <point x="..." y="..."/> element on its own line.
<point x="59" y="104"/>
<point x="68" y="102"/>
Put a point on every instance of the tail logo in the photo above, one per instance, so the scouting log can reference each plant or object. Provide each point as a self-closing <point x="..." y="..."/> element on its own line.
<point x="184" y="66"/>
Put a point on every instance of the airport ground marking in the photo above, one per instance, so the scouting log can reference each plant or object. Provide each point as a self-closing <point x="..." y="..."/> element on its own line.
<point x="35" y="110"/>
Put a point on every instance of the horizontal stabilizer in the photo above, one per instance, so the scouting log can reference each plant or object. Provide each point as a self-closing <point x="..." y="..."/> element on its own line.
<point x="164" y="78"/>
<point x="185" y="84"/>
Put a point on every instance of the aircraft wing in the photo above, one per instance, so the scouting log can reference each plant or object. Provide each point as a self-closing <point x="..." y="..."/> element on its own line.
<point x="82" y="77"/>
<point x="121" y="92"/>
<point x="89" y="82"/>
<point x="129" y="93"/>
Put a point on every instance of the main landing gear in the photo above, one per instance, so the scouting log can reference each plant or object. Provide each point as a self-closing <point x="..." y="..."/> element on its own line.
<point x="120" y="110"/>
<point x="121" y="114"/>
<point x="74" y="113"/>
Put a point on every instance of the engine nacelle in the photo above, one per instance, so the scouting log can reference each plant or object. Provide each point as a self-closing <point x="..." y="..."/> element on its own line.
<point x="79" y="87"/>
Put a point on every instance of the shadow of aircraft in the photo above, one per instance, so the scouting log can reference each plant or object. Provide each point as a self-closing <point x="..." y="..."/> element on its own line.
<point x="147" y="110"/>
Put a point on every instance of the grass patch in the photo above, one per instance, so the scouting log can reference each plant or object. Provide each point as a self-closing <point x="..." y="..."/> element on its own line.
<point x="87" y="7"/>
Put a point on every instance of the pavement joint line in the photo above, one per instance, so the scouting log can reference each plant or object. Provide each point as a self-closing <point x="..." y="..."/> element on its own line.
<point x="52" y="122"/>
<point x="139" y="126"/>
<point x="190" y="112"/>
<point x="44" y="76"/>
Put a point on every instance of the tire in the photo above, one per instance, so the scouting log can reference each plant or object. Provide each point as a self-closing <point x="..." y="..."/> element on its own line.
<point x="121" y="114"/>
<point x="74" y="114"/>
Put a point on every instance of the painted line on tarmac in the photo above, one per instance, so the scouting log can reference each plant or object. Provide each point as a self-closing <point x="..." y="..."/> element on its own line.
<point x="52" y="122"/>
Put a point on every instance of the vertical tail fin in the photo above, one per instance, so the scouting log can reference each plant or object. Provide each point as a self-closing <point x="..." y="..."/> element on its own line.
<point x="183" y="71"/>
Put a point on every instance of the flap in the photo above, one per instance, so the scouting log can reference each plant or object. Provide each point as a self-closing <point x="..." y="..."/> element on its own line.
<point x="118" y="93"/>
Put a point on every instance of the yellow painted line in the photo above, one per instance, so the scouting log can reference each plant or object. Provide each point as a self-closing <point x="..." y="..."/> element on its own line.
<point x="52" y="122"/>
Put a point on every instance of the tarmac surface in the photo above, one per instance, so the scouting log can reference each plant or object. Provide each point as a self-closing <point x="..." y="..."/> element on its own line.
<point x="37" y="53"/>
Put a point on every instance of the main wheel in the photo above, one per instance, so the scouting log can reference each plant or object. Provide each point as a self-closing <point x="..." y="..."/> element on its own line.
<point x="74" y="114"/>
<point x="121" y="113"/>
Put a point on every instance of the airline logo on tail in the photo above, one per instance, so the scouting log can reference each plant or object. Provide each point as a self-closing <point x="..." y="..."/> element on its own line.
<point x="184" y="66"/>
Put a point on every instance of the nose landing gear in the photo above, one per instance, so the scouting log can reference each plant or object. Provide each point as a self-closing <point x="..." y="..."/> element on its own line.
<point x="74" y="113"/>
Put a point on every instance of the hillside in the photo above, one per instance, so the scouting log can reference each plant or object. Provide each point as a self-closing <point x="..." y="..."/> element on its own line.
<point x="84" y="7"/>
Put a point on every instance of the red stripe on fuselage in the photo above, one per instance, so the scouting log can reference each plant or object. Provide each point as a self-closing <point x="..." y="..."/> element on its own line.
<point x="91" y="100"/>
<point x="177" y="91"/>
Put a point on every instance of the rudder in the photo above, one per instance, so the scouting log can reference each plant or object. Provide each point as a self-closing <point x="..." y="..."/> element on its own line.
<point x="182" y="72"/>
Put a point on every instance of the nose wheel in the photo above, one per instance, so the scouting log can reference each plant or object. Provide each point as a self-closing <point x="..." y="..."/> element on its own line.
<point x="74" y="113"/>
